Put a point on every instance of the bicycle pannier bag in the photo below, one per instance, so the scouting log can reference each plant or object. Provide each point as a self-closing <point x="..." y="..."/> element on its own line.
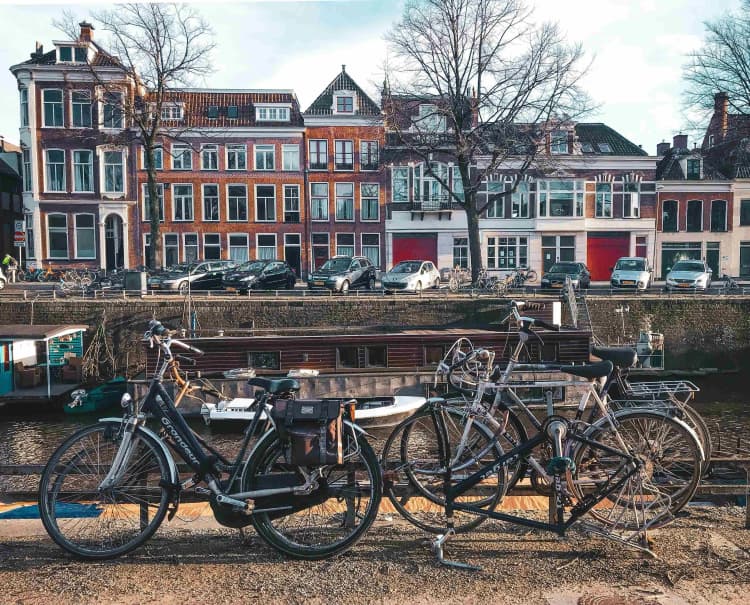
<point x="311" y="430"/>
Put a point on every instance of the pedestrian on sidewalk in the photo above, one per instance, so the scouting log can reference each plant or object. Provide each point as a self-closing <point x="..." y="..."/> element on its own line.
<point x="10" y="266"/>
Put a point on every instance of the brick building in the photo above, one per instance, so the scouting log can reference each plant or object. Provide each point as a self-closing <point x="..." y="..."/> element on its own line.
<point x="11" y="202"/>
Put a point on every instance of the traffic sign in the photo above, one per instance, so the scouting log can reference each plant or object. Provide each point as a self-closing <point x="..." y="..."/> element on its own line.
<point x="20" y="226"/>
<point x="19" y="237"/>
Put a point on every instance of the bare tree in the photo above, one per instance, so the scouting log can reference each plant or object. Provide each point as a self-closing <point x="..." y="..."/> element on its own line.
<point x="497" y="83"/>
<point x="157" y="48"/>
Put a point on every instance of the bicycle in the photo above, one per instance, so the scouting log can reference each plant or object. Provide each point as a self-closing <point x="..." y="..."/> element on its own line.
<point x="118" y="479"/>
<point x="727" y="283"/>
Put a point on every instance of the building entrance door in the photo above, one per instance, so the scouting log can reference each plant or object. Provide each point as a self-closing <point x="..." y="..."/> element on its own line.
<point x="113" y="237"/>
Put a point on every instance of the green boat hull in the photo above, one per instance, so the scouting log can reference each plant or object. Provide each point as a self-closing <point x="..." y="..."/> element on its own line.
<point x="99" y="398"/>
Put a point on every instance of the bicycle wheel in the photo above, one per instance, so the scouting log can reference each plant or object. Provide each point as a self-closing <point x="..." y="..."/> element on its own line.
<point x="671" y="463"/>
<point x="453" y="284"/>
<point x="415" y="475"/>
<point x="695" y="421"/>
<point x="531" y="276"/>
<point x="332" y="518"/>
<point x="101" y="524"/>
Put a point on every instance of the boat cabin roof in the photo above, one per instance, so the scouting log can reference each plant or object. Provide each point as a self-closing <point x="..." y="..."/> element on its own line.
<point x="38" y="332"/>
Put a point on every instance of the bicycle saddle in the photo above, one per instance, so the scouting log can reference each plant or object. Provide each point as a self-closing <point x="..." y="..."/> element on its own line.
<point x="590" y="370"/>
<point x="621" y="357"/>
<point x="283" y="385"/>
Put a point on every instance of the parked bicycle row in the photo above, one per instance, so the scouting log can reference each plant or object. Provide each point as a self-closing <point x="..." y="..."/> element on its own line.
<point x="627" y="461"/>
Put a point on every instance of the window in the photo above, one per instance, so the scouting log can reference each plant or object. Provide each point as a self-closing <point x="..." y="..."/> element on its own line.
<point x="272" y="114"/>
<point x="669" y="216"/>
<point x="320" y="248"/>
<point x="291" y="203"/>
<point x="604" y="200"/>
<point x="344" y="201"/>
<point x="211" y="246"/>
<point x="83" y="169"/>
<point x="158" y="158"/>
<point x="400" y="184"/>
<point x="30" y="236"/>
<point x="72" y="54"/>
<point x="695" y="215"/>
<point x="182" y="157"/>
<point x="238" y="247"/>
<point x="209" y="157"/>
<point x="114" y="172"/>
<point x="344" y="155"/>
<point x="318" y="154"/>
<point x="718" y="215"/>
<point x="210" y="202"/>
<point x="237" y="202"/>
<point x="631" y="200"/>
<point x="190" y="247"/>
<point x="57" y="235"/>
<point x="371" y="247"/>
<point x="376" y="356"/>
<point x="519" y="201"/>
<point x="55" y="170"/>
<point x="233" y="112"/>
<point x="507" y="252"/>
<point x="171" y="111"/>
<point x="112" y="114"/>
<point x="236" y="157"/>
<point x="557" y="248"/>
<point x="182" y="202"/>
<point x="24" y="93"/>
<point x="213" y="112"/>
<point x="457" y="184"/>
<point x="587" y="147"/>
<point x="693" y="170"/>
<point x="744" y="212"/>
<point x="264" y="157"/>
<point x="461" y="252"/>
<point x="368" y="155"/>
<point x="26" y="169"/>
<point x="171" y="249"/>
<point x="430" y="120"/>
<point x="81" y="105"/>
<point x="428" y="185"/>
<point x="496" y="203"/>
<point x="290" y="157"/>
<point x="560" y="198"/>
<point x="369" y="197"/>
<point x="558" y="141"/>
<point x="319" y="201"/>
<point x="604" y="147"/>
<point x="672" y="252"/>
<point x="85" y="236"/>
<point x="53" y="108"/>
<point x="264" y="360"/>
<point x="147" y="205"/>
<point x="347" y="357"/>
<point x="344" y="104"/>
<point x="265" y="203"/>
<point x="266" y="247"/>
<point x="744" y="259"/>
<point x="345" y="244"/>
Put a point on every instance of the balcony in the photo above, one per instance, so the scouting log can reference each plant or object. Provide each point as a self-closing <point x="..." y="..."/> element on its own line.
<point x="440" y="205"/>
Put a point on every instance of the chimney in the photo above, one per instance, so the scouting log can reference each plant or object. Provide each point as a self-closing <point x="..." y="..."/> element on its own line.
<point x="721" y="111"/>
<point x="680" y="141"/>
<point x="87" y="31"/>
<point x="662" y="148"/>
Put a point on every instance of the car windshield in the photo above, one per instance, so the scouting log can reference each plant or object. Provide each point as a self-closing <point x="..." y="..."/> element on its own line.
<point x="406" y="268"/>
<point x="252" y="266"/>
<point x="688" y="266"/>
<point x="336" y="264"/>
<point x="178" y="268"/>
<point x="631" y="264"/>
<point x="569" y="268"/>
<point x="192" y="267"/>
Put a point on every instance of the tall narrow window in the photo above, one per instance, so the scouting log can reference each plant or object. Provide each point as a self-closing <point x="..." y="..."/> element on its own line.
<point x="368" y="155"/>
<point x="265" y="203"/>
<point x="211" y="246"/>
<point x="85" y="239"/>
<point x="669" y="216"/>
<point x="210" y="202"/>
<point x="264" y="157"/>
<point x="237" y="202"/>
<point x="718" y="215"/>
<point x="291" y="203"/>
<point x="24" y="93"/>
<point x="190" y="247"/>
<point x="30" y="236"/>
<point x="158" y="158"/>
<point x="290" y="157"/>
<point x="182" y="157"/>
<point x="55" y="170"/>
<point x="81" y="105"/>
<point x="400" y="184"/>
<point x="371" y="247"/>
<point x="369" y="195"/>
<point x="147" y="205"/>
<point x="457" y="184"/>
<point x="236" y="157"/>
<point x="83" y="169"/>
<point x="631" y="205"/>
<point x="238" y="247"/>
<point x="319" y="201"/>
<point x="26" y="169"/>
<point x="112" y="111"/>
<point x="344" y="155"/>
<point x="113" y="172"/>
<point x="210" y="157"/>
<point x="519" y="201"/>
<point x="266" y="247"/>
<point x="344" y="201"/>
<point x="461" y="252"/>
<point x="693" y="169"/>
<point x="695" y="215"/>
<point x="604" y="200"/>
<point x="53" y="107"/>
<point x="496" y="199"/>
<point x="182" y="202"/>
<point x="57" y="235"/>
<point x="171" y="249"/>
<point x="318" y="154"/>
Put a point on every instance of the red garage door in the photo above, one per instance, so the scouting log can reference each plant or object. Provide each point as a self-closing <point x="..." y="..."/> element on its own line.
<point x="415" y="247"/>
<point x="602" y="252"/>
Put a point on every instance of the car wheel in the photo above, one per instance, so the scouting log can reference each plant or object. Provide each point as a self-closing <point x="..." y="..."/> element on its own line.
<point x="371" y="283"/>
<point x="418" y="287"/>
<point x="183" y="287"/>
<point x="344" y="287"/>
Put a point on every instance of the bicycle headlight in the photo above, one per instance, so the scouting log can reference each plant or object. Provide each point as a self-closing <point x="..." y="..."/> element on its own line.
<point x="126" y="401"/>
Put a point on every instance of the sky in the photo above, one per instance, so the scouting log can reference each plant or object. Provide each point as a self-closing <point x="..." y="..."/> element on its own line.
<point x="638" y="49"/>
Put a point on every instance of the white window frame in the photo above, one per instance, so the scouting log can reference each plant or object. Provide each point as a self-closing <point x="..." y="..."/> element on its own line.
<point x="182" y="147"/>
<point x="515" y="200"/>
<point x="44" y="108"/>
<point x="344" y="95"/>
<point x="90" y="166"/>
<point x="362" y="199"/>
<point x="269" y="112"/>
<point x="144" y="196"/>
<point x="164" y="247"/>
<point x="635" y="201"/>
<point x="327" y="204"/>
<point x="543" y="191"/>
<point x="102" y="105"/>
<point x="146" y="242"/>
<point x="77" y="253"/>
<point x="238" y="151"/>
<point x="158" y="165"/>
<point x="558" y="142"/>
<point x="173" y="188"/>
<point x="457" y="184"/>
<point x="424" y="179"/>
<point x="185" y="246"/>
<point x="64" y="172"/>
<point x="247" y="201"/>
<point x="264" y="149"/>
<point x="258" y="246"/>
<point x="230" y="246"/>
<point x="203" y="203"/>
<point x="344" y="154"/>
<point x="168" y="111"/>
<point x="380" y="248"/>
<point x="255" y="189"/>
<point x="367" y="143"/>
<point x="103" y="171"/>
<point x="492" y="206"/>
<point x="299" y="202"/>
<point x="27" y="175"/>
<point x="429" y="119"/>
<point x="353" y="244"/>
<point x="211" y="147"/>
<point x="310" y="155"/>
<point x="493" y="242"/>
<point x="336" y="204"/>
<point x="212" y="245"/>
<point x="607" y="201"/>
<point x="74" y="103"/>
<point x="58" y="229"/>
<point x="400" y="169"/>
<point x="23" y="94"/>
<point x="290" y="149"/>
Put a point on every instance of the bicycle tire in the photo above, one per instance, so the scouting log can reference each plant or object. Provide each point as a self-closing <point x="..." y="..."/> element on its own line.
<point x="101" y="527"/>
<point x="415" y="485"/>
<point x="531" y="276"/>
<point x="346" y="527"/>
<point x="657" y="490"/>
<point x="453" y="284"/>
<point x="696" y="422"/>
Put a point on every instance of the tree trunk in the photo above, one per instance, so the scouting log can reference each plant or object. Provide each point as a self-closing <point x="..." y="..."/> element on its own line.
<point x="475" y="245"/>
<point x="153" y="258"/>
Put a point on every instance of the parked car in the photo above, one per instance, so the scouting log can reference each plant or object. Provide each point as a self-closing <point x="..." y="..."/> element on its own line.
<point x="3" y="280"/>
<point x="259" y="275"/>
<point x="340" y="273"/>
<point x="631" y="272"/>
<point x="695" y="274"/>
<point x="200" y="275"/>
<point x="412" y="276"/>
<point x="555" y="277"/>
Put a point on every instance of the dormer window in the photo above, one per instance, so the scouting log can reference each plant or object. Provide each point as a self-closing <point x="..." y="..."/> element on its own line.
<point x="171" y="111"/>
<point x="558" y="142"/>
<point x="269" y="113"/>
<point x="694" y="170"/>
<point x="71" y="54"/>
<point x="344" y="104"/>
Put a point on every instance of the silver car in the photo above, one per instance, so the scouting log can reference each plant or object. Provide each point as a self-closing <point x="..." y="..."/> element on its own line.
<point x="631" y="272"/>
<point x="411" y="275"/>
<point x="689" y="274"/>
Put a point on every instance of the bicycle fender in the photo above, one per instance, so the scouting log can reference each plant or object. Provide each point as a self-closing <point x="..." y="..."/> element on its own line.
<point x="165" y="450"/>
<point x="358" y="429"/>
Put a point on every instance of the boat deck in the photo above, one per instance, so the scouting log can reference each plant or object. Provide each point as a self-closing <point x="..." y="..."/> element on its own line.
<point x="37" y="393"/>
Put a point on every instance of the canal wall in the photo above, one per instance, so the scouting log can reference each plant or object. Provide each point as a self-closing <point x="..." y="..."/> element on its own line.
<point x="699" y="332"/>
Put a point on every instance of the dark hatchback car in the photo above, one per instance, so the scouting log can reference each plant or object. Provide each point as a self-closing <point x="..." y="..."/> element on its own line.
<point x="198" y="275"/>
<point x="578" y="273"/>
<point x="259" y="275"/>
<point x="341" y="273"/>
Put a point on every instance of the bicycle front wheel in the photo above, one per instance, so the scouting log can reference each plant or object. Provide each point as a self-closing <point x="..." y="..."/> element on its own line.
<point x="95" y="523"/>
<point x="453" y="284"/>
<point x="334" y="516"/>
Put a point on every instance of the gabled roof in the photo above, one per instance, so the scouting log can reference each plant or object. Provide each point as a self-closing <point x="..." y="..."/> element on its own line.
<point x="669" y="167"/>
<point x="597" y="134"/>
<point x="322" y="106"/>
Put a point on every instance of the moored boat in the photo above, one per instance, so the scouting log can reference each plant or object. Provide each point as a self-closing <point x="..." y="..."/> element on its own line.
<point x="98" y="398"/>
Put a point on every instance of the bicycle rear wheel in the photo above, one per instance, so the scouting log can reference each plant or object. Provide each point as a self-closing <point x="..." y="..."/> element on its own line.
<point x="92" y="523"/>
<point x="333" y="517"/>
<point x="531" y="276"/>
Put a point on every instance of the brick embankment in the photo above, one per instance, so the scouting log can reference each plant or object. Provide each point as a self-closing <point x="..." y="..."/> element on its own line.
<point x="703" y="559"/>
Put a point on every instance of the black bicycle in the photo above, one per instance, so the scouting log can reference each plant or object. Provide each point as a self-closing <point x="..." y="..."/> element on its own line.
<point x="108" y="487"/>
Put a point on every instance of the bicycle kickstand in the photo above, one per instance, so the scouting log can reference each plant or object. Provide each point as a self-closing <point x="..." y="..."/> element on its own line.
<point x="437" y="549"/>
